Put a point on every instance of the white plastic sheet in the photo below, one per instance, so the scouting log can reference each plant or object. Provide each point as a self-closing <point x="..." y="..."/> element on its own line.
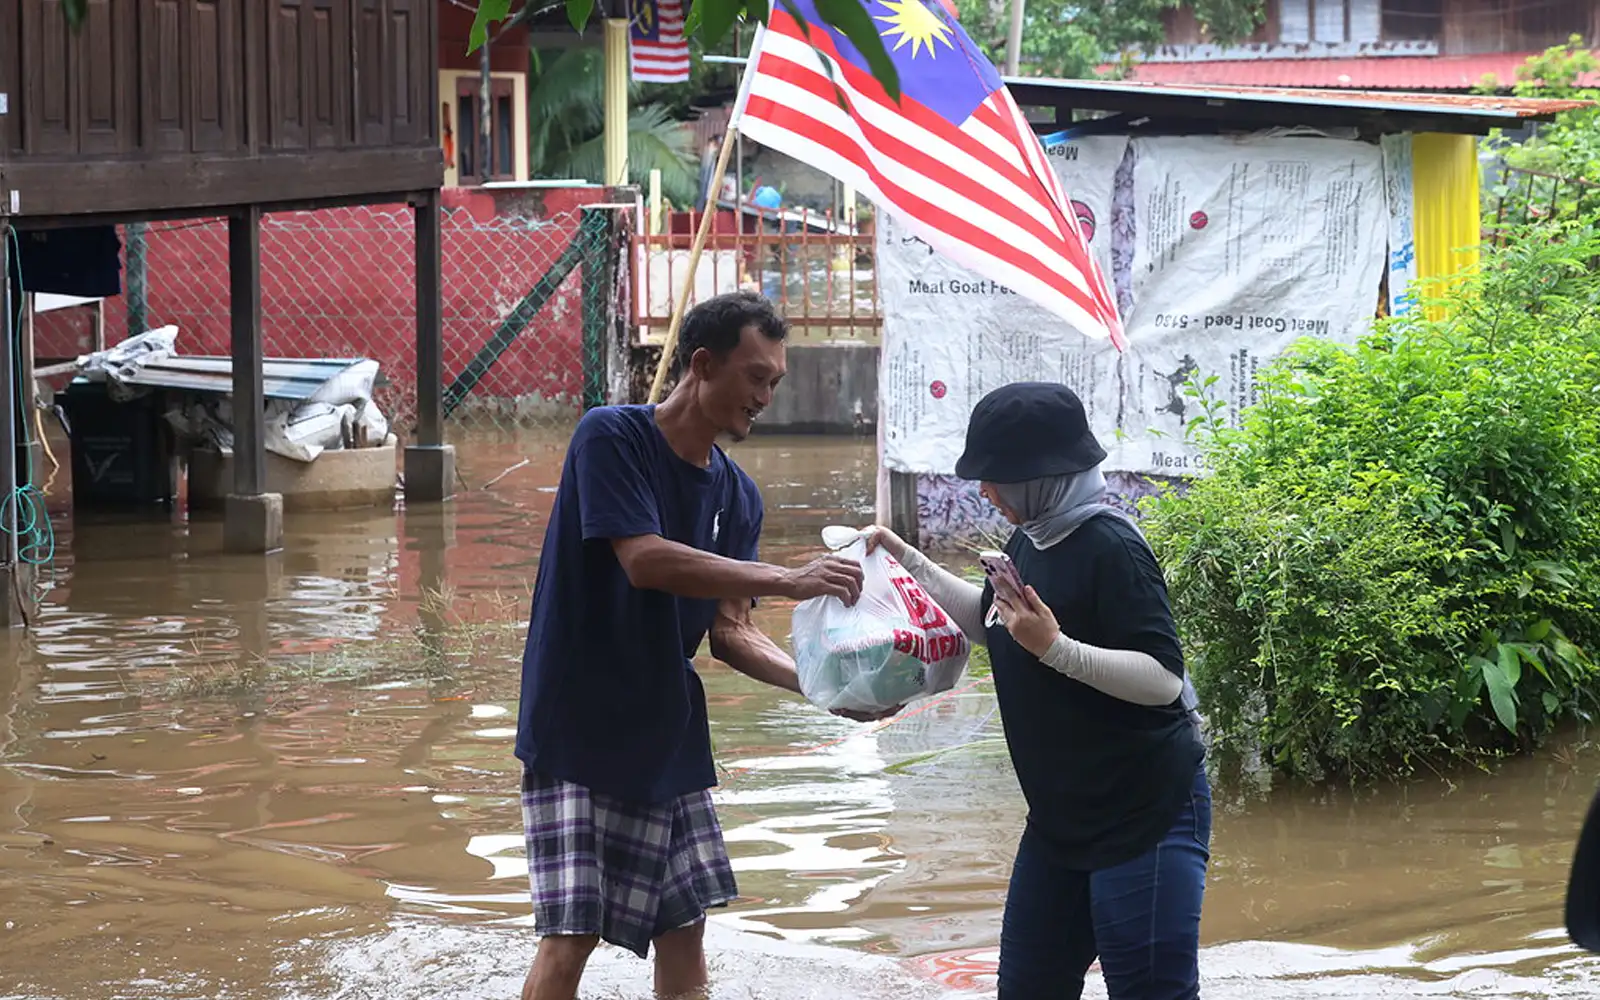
<point x="1224" y="252"/>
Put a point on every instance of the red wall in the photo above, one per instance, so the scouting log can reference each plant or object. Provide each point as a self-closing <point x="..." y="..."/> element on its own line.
<point x="340" y="283"/>
<point x="508" y="54"/>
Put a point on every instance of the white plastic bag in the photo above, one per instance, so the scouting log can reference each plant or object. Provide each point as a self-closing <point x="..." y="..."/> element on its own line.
<point x="894" y="645"/>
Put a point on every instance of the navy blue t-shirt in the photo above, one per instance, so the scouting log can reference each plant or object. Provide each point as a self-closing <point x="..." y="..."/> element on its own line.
<point x="610" y="698"/>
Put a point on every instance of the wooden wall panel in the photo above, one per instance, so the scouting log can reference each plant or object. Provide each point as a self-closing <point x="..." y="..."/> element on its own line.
<point x="10" y="76"/>
<point x="372" y="108"/>
<point x="215" y="77"/>
<point x="50" y="85"/>
<point x="326" y="50"/>
<point x="285" y="75"/>
<point x="108" y="70"/>
<point x="1471" y="27"/>
<point x="162" y="112"/>
<point x="154" y="97"/>
<point x="412" y="51"/>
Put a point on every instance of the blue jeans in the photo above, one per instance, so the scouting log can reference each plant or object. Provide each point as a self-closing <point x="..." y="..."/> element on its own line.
<point x="1142" y="918"/>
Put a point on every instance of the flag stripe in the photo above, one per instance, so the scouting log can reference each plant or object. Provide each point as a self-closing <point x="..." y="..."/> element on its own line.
<point x="797" y="62"/>
<point x="843" y="156"/>
<point x="980" y="190"/>
<point x="1052" y="181"/>
<point x="901" y="162"/>
<point x="942" y="155"/>
<point x="664" y="58"/>
<point x="1024" y="282"/>
<point x="995" y="211"/>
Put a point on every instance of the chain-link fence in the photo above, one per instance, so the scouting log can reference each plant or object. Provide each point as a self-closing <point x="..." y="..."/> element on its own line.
<point x="1515" y="197"/>
<point x="535" y="308"/>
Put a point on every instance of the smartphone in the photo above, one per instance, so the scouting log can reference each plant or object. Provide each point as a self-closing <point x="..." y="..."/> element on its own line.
<point x="1002" y="573"/>
<point x="998" y="567"/>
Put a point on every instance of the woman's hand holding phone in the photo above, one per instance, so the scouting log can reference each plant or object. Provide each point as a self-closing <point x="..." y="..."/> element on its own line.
<point x="1018" y="606"/>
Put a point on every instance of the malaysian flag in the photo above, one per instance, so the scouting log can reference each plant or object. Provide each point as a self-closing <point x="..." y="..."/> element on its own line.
<point x="955" y="160"/>
<point x="660" y="52"/>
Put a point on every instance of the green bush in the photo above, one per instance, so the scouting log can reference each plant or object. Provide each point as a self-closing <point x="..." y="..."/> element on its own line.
<point x="1554" y="172"/>
<point x="1396" y="557"/>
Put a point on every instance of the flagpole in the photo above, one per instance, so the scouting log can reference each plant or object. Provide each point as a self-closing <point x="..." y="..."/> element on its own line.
<point x="670" y="345"/>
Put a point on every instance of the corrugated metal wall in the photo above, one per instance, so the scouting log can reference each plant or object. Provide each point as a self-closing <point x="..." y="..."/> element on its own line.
<point x="1446" y="214"/>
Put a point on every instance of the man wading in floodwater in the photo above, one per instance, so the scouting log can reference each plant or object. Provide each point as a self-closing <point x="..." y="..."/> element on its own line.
<point x="651" y="544"/>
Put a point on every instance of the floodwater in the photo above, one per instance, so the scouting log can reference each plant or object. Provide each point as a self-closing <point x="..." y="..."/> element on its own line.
<point x="293" y="777"/>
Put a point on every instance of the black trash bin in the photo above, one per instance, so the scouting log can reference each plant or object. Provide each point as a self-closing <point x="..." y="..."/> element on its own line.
<point x="123" y="456"/>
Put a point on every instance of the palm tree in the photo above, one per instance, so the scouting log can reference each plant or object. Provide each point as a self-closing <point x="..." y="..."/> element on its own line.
<point x="566" y="125"/>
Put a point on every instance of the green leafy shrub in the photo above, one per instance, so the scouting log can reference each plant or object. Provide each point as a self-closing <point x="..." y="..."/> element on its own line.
<point x="1556" y="173"/>
<point x="1396" y="557"/>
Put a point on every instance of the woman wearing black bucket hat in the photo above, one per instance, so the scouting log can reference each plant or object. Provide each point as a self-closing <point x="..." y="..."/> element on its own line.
<point x="1098" y="715"/>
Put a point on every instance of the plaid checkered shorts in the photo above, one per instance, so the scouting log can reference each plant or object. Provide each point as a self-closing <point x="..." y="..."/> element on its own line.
<point x="625" y="872"/>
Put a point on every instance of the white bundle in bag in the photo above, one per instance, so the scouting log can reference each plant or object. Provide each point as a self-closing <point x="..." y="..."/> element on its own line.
<point x="894" y="645"/>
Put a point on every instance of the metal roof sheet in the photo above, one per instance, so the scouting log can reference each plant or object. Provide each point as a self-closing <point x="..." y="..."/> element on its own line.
<point x="282" y="378"/>
<point x="1292" y="105"/>
<point x="1371" y="73"/>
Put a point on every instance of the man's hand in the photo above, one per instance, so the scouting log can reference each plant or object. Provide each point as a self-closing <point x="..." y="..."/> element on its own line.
<point x="854" y="716"/>
<point x="830" y="576"/>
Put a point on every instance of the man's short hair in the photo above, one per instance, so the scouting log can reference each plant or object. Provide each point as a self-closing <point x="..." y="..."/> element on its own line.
<point x="717" y="324"/>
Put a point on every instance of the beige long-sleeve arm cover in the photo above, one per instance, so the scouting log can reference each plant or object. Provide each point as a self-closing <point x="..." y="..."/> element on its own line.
<point x="961" y="600"/>
<point x="1125" y="674"/>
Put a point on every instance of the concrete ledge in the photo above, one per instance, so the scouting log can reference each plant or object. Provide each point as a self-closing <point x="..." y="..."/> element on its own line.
<point x="430" y="473"/>
<point x="831" y="389"/>
<point x="253" y="524"/>
<point x="358" y="477"/>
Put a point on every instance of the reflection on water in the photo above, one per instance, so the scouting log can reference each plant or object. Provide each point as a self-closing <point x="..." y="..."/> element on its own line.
<point x="292" y="776"/>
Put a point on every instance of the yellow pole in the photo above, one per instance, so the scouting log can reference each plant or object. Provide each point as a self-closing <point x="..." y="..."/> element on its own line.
<point x="845" y="258"/>
<point x="616" y="101"/>
<point x="655" y="202"/>
<point x="671" y="343"/>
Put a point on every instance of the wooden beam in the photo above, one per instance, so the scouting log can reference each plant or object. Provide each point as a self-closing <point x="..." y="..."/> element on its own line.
<point x="35" y="223"/>
<point x="903" y="507"/>
<point x="8" y="410"/>
<point x="192" y="184"/>
<point x="97" y="329"/>
<point x="244" y="290"/>
<point x="430" y="321"/>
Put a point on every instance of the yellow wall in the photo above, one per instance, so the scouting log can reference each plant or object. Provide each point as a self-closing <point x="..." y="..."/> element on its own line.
<point x="1447" y="221"/>
<point x="519" y="124"/>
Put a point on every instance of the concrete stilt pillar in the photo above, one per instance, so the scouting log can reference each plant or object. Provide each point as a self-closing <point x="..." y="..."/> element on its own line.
<point x="430" y="463"/>
<point x="252" y="518"/>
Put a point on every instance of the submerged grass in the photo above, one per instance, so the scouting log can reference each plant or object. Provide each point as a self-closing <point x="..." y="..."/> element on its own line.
<point x="449" y="636"/>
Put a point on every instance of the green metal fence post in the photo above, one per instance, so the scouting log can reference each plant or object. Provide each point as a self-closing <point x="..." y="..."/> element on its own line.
<point x="598" y="278"/>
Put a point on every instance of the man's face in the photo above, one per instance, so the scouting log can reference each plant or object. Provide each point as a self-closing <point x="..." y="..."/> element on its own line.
<point x="735" y="389"/>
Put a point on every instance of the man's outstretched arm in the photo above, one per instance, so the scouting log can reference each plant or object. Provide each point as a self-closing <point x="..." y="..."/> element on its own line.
<point x="737" y="641"/>
<point x="655" y="563"/>
<point x="619" y="506"/>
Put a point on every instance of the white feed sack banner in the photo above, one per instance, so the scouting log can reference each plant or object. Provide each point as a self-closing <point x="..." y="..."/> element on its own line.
<point x="1222" y="251"/>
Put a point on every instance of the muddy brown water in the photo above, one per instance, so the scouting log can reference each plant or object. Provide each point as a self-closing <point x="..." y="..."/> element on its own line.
<point x="292" y="777"/>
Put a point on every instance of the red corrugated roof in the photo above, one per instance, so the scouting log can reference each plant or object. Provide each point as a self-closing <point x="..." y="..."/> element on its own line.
<point x="1372" y="73"/>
